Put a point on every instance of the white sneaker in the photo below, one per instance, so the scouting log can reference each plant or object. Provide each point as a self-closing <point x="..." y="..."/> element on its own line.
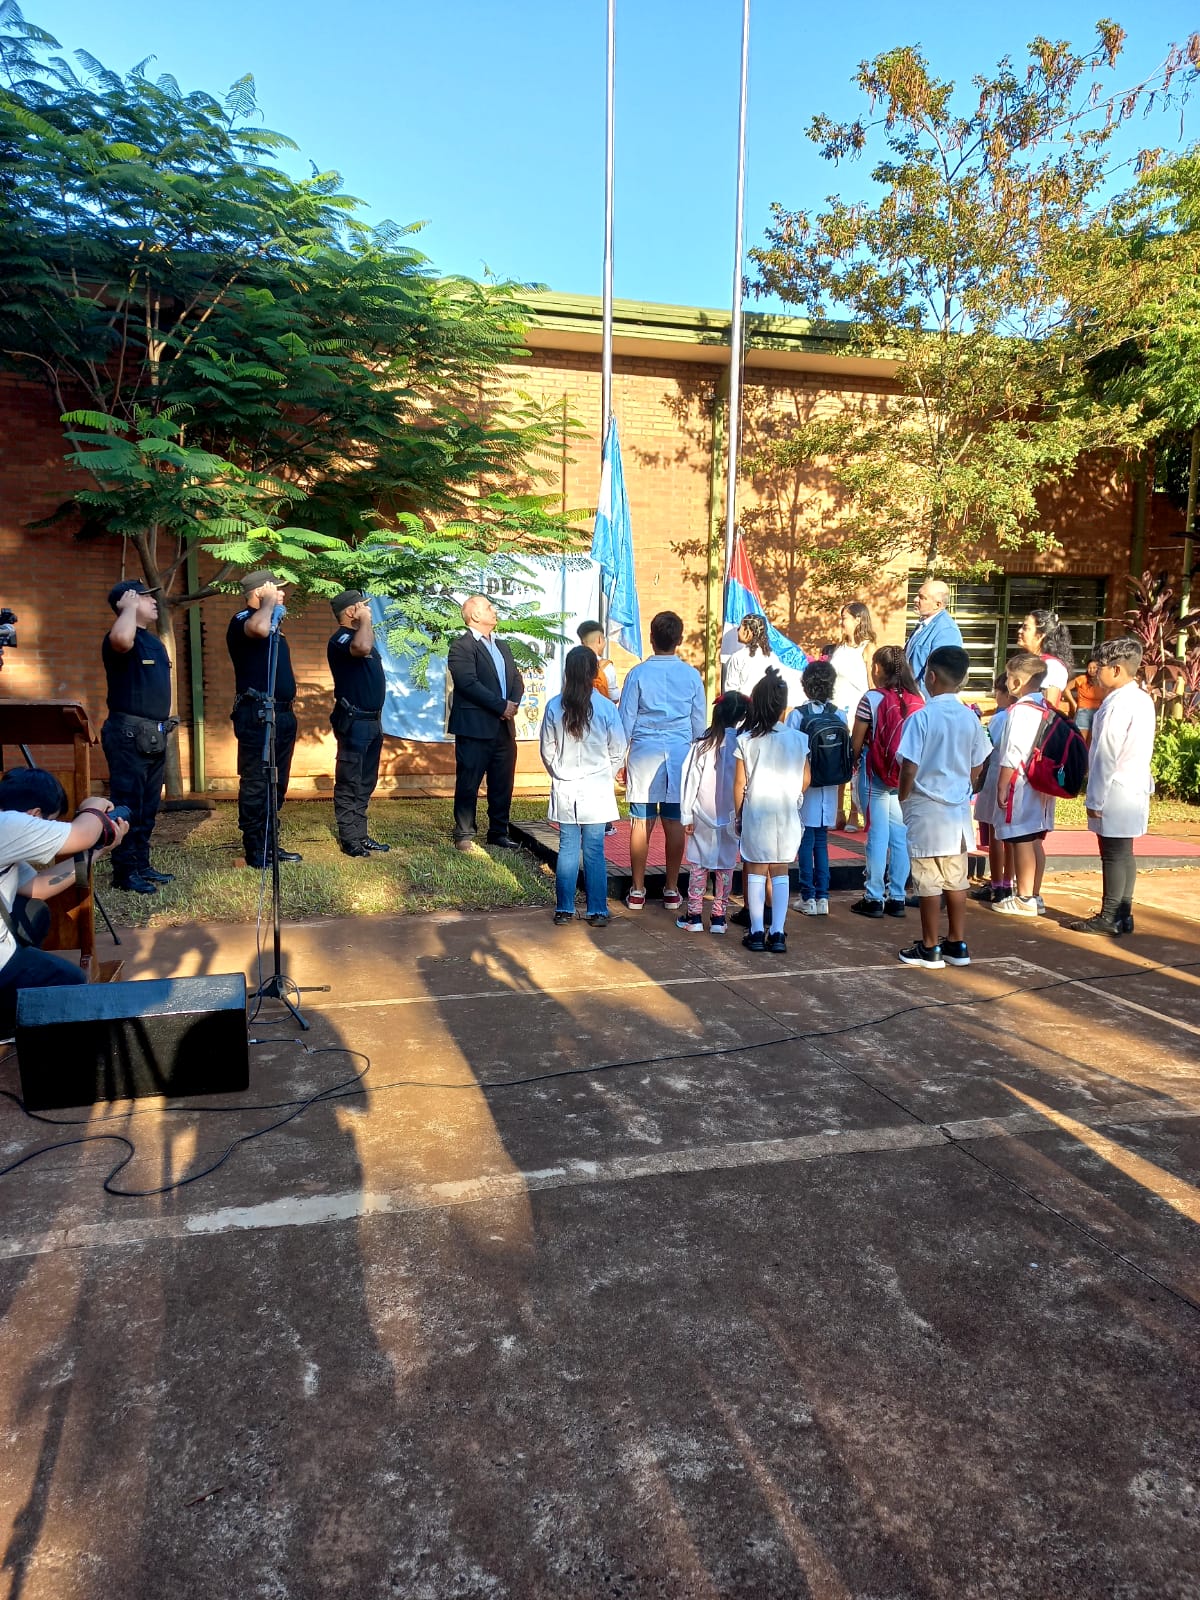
<point x="809" y="907"/>
<point x="1040" y="904"/>
<point x="1015" y="906"/>
<point x="821" y="909"/>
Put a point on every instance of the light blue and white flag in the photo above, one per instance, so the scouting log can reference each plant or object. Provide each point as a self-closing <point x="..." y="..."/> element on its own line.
<point x="612" y="548"/>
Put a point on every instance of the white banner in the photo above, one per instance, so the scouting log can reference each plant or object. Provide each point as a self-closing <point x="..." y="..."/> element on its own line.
<point x="557" y="588"/>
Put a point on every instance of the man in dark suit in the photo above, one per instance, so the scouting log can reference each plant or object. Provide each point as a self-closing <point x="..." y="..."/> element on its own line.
<point x="487" y="692"/>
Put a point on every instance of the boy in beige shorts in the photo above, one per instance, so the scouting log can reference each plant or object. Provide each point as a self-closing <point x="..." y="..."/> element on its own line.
<point x="942" y="751"/>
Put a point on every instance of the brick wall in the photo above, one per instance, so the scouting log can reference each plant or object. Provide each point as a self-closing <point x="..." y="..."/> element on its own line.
<point x="57" y="583"/>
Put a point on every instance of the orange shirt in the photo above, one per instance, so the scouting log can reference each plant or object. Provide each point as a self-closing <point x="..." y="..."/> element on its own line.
<point x="1086" y="694"/>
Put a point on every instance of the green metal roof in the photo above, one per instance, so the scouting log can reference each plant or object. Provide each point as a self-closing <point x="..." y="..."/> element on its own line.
<point x="694" y="325"/>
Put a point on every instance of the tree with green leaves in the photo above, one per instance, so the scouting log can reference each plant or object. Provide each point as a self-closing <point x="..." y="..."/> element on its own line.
<point x="243" y="364"/>
<point x="964" y="271"/>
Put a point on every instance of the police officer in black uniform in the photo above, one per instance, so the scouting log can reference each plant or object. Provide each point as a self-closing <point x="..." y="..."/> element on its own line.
<point x="248" y="639"/>
<point x="358" y="693"/>
<point x="134" y="737"/>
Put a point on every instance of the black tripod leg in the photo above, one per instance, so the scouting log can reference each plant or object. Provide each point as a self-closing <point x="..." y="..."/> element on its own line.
<point x="104" y="914"/>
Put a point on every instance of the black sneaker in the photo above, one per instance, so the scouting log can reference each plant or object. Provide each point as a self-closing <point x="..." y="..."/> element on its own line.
<point x="920" y="955"/>
<point x="152" y="875"/>
<point x="690" y="924"/>
<point x="867" y="908"/>
<point x="563" y="916"/>
<point x="1096" y="924"/>
<point x="777" y="944"/>
<point x="754" y="941"/>
<point x="894" y="908"/>
<point x="290" y="855"/>
<point x="1125" y="923"/>
<point x="956" y="953"/>
<point x="374" y="844"/>
<point x="741" y="919"/>
<point x="717" y="924"/>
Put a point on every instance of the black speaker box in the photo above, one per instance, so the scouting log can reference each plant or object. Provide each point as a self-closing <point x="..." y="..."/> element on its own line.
<point x="122" y="1041"/>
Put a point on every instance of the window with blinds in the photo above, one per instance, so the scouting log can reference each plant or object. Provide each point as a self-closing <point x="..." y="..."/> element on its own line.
<point x="990" y="614"/>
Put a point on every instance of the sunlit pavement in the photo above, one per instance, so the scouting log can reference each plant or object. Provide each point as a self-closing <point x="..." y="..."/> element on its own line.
<point x="857" y="1281"/>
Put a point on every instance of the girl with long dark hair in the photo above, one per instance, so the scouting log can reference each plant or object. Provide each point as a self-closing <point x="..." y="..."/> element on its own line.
<point x="768" y="786"/>
<point x="878" y="721"/>
<point x="583" y="748"/>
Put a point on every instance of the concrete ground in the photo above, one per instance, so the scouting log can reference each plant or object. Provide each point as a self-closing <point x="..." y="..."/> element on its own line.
<point x="854" y="1282"/>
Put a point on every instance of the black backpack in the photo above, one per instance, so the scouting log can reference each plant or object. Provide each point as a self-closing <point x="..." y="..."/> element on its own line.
<point x="829" y="759"/>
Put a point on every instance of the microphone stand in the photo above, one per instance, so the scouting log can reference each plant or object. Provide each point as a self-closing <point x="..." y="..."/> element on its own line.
<point x="276" y="986"/>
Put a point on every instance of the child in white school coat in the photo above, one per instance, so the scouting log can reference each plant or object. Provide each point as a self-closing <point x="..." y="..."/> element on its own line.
<point x="1119" y="782"/>
<point x="1025" y="815"/>
<point x="706" y="811"/>
<point x="1000" y="852"/>
<point x="768" y="786"/>
<point x="942" y="750"/>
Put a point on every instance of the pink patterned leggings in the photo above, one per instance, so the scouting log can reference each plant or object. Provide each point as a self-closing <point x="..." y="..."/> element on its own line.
<point x="698" y="882"/>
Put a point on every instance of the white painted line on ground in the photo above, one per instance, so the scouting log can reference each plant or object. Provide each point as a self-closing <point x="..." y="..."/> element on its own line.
<point x="350" y="1205"/>
<point x="765" y="974"/>
<point x="1114" y="999"/>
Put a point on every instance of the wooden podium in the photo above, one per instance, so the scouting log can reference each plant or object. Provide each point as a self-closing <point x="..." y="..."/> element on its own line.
<point x="55" y="725"/>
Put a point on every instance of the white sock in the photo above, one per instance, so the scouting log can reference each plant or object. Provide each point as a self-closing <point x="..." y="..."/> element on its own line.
<point x="756" y="899"/>
<point x="779" y="902"/>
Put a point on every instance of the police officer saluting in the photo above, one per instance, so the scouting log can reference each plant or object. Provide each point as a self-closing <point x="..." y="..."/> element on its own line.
<point x="358" y="694"/>
<point x="248" y="640"/>
<point x="134" y="737"/>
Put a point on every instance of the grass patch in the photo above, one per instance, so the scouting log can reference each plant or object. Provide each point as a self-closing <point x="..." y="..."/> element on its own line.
<point x="1164" y="814"/>
<point x="422" y="872"/>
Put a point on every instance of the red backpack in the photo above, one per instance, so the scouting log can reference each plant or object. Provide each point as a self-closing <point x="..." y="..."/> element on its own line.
<point x="888" y="724"/>
<point x="1058" y="762"/>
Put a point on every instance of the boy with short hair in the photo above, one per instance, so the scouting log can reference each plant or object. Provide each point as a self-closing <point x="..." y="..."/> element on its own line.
<point x="1119" y="781"/>
<point x="942" y="751"/>
<point x="605" y="682"/>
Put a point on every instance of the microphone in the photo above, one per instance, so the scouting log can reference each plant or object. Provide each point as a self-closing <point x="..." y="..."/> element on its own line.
<point x="277" y="616"/>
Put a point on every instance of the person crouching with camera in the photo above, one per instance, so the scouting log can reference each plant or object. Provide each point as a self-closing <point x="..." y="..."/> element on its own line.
<point x="139" y="723"/>
<point x="31" y="801"/>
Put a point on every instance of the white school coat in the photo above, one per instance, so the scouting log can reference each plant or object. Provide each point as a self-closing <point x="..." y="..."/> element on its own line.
<point x="1119" y="782"/>
<point x="1030" y="811"/>
<point x="663" y="710"/>
<point x="987" y="808"/>
<point x="706" y="803"/>
<point x="774" y="763"/>
<point x="582" y="770"/>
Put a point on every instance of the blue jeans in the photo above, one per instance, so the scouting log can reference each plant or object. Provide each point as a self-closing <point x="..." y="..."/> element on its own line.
<point x="571" y="836"/>
<point x="30" y="968"/>
<point x="887" y="844"/>
<point x="814" y="864"/>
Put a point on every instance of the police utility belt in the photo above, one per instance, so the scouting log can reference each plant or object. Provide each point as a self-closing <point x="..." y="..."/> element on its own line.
<point x="149" y="736"/>
<point x="256" y="697"/>
<point x="346" y="713"/>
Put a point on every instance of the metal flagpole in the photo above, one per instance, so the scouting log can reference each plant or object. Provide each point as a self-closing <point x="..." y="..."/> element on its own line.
<point x="607" y="336"/>
<point x="735" y="326"/>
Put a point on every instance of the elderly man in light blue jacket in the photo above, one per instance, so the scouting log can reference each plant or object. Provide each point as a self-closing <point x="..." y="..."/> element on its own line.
<point x="935" y="628"/>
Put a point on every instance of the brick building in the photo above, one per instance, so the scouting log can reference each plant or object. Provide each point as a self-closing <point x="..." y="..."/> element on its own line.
<point x="671" y="374"/>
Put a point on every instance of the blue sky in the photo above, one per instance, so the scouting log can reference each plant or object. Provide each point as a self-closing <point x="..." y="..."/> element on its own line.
<point x="486" y="117"/>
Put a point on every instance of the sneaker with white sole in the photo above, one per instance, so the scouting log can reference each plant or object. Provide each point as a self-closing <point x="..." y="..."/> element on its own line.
<point x="1040" y="904"/>
<point x="808" y="907"/>
<point x="717" y="924"/>
<point x="920" y="955"/>
<point x="690" y="924"/>
<point x="1016" y="906"/>
<point x="822" y="908"/>
<point x="956" y="953"/>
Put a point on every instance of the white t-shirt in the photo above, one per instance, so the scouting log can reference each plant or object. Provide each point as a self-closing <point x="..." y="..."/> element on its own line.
<point x="852" y="681"/>
<point x="24" y="841"/>
<point x="1056" y="674"/>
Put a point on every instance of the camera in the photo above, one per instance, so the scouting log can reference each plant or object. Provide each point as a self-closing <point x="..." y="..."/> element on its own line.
<point x="120" y="814"/>
<point x="8" y="629"/>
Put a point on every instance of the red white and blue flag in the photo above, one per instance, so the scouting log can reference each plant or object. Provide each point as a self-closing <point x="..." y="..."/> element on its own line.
<point x="742" y="598"/>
